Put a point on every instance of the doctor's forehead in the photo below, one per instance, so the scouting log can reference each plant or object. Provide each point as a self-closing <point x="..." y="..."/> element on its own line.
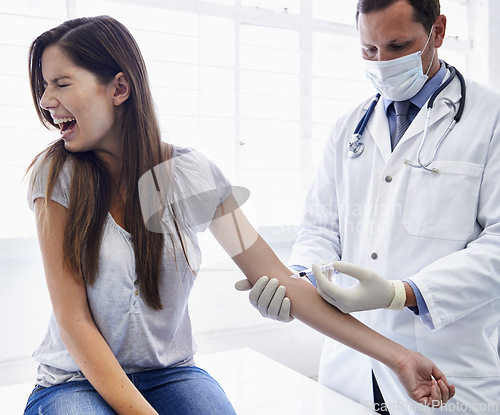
<point x="395" y="23"/>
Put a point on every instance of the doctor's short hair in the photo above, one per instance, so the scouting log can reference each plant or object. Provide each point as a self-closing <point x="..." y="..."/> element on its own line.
<point x="426" y="11"/>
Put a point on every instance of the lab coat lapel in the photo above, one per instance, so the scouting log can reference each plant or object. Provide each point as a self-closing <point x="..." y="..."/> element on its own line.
<point x="378" y="128"/>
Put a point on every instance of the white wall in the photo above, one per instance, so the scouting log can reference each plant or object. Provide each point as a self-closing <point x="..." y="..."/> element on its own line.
<point x="485" y="37"/>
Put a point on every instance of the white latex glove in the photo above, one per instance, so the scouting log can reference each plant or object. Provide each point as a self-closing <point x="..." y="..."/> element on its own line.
<point x="268" y="297"/>
<point x="372" y="292"/>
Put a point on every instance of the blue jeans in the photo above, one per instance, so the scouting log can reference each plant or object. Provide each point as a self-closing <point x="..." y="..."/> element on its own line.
<point x="173" y="391"/>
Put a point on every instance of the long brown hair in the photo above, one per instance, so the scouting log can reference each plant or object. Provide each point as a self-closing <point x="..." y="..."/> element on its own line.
<point x="103" y="46"/>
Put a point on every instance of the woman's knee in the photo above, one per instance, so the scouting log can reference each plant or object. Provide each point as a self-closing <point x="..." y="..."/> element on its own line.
<point x="189" y="391"/>
<point x="72" y="398"/>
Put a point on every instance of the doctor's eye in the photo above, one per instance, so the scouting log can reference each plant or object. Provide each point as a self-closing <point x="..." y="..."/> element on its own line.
<point x="370" y="51"/>
<point x="398" y="46"/>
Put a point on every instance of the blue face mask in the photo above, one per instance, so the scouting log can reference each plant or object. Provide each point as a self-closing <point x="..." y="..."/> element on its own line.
<point x="399" y="79"/>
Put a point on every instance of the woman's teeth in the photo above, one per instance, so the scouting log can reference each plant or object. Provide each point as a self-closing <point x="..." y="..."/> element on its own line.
<point x="62" y="120"/>
<point x="64" y="123"/>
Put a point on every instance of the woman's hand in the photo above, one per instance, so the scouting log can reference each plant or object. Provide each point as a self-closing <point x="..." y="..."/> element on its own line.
<point x="423" y="380"/>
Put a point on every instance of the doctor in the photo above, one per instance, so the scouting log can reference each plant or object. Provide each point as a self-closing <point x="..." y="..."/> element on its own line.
<point x="422" y="229"/>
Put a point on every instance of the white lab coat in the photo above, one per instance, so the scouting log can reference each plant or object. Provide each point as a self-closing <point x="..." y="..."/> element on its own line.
<point x="441" y="230"/>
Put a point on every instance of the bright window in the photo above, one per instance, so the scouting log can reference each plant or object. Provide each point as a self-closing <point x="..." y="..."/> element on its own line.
<point x="287" y="6"/>
<point x="253" y="84"/>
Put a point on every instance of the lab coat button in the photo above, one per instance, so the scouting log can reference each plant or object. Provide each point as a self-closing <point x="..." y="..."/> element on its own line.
<point x="374" y="255"/>
<point x="388" y="179"/>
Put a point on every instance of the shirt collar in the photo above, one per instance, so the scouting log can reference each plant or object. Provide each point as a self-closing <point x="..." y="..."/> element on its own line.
<point x="427" y="90"/>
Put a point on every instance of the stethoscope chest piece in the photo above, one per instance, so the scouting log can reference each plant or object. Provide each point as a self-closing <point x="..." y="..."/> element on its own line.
<point x="355" y="146"/>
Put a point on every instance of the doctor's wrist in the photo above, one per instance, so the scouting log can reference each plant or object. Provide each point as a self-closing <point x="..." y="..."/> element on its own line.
<point x="411" y="300"/>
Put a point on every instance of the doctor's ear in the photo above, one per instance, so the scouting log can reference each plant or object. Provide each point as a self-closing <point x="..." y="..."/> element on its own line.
<point x="439" y="30"/>
<point x="121" y="89"/>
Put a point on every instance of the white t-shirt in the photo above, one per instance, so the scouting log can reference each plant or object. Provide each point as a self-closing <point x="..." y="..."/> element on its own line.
<point x="141" y="338"/>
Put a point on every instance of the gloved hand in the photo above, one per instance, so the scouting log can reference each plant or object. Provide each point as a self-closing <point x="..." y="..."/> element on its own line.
<point x="372" y="292"/>
<point x="268" y="297"/>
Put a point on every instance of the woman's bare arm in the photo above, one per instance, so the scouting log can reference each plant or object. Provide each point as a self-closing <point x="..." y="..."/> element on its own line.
<point x="255" y="258"/>
<point x="76" y="325"/>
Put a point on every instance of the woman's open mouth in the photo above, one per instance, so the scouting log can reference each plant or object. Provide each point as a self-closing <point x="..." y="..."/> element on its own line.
<point x="66" y="124"/>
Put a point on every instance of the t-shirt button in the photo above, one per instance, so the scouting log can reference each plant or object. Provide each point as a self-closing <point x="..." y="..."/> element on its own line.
<point x="374" y="255"/>
<point x="388" y="179"/>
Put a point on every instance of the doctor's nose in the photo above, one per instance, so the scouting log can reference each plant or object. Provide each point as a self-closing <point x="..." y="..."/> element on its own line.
<point x="383" y="56"/>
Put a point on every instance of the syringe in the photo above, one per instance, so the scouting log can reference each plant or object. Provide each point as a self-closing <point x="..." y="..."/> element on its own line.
<point x="308" y="272"/>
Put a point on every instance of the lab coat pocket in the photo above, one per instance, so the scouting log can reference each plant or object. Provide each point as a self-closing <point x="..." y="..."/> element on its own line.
<point x="443" y="205"/>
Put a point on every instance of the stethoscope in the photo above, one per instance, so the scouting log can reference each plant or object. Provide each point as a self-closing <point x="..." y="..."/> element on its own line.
<point x="356" y="146"/>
